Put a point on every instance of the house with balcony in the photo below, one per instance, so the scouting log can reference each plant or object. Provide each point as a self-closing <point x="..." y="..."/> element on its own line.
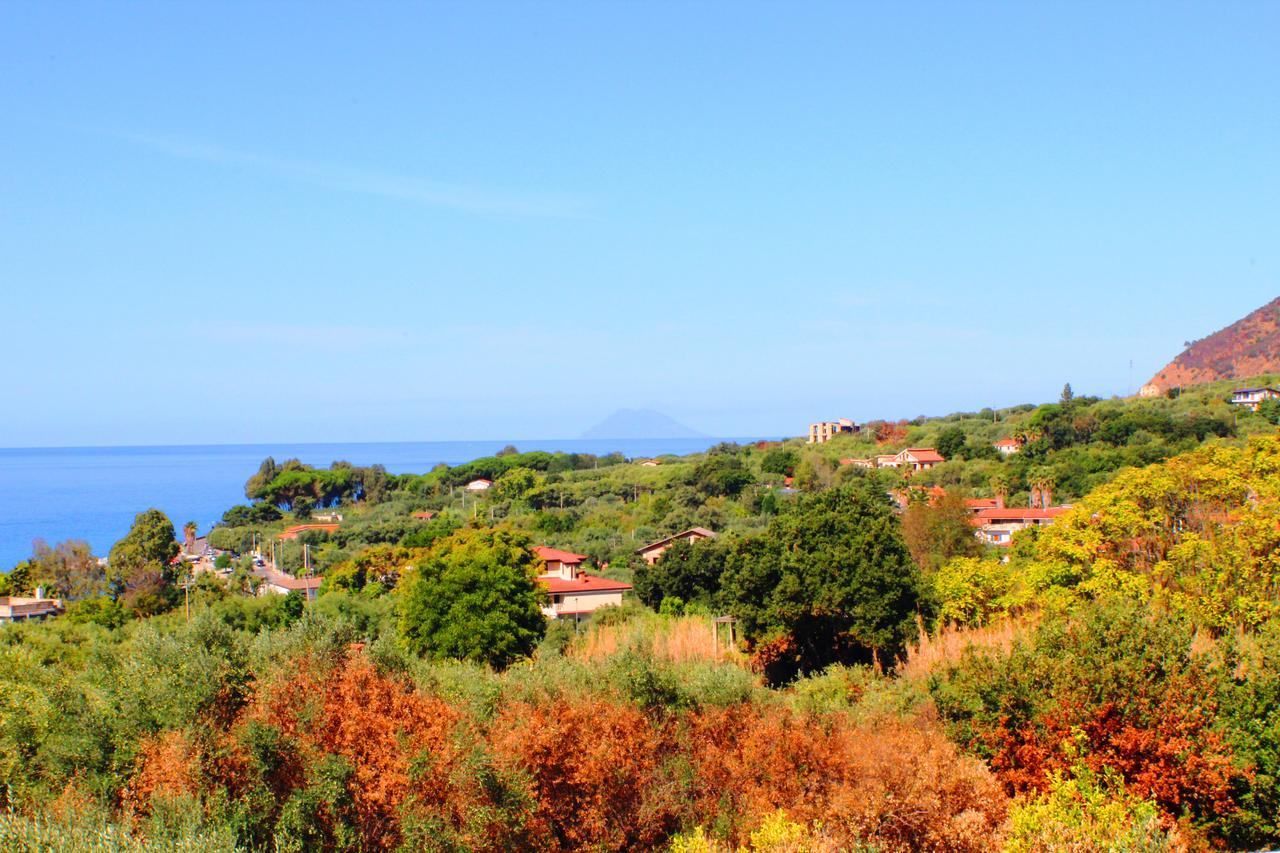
<point x="1253" y="397"/>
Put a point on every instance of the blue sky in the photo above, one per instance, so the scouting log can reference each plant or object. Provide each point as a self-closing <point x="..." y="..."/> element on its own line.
<point x="319" y="222"/>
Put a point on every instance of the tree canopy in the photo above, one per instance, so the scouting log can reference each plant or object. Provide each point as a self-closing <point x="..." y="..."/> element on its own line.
<point x="829" y="581"/>
<point x="475" y="598"/>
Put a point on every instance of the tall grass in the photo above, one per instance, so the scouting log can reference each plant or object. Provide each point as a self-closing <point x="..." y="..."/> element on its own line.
<point x="44" y="834"/>
<point x="679" y="639"/>
<point x="949" y="644"/>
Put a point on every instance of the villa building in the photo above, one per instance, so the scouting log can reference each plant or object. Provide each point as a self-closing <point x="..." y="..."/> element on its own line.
<point x="480" y="484"/>
<point x="276" y="582"/>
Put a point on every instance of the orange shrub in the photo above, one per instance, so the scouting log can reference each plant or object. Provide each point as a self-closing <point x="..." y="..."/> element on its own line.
<point x="899" y="784"/>
<point x="167" y="768"/>
<point x="593" y="767"/>
<point x="380" y="726"/>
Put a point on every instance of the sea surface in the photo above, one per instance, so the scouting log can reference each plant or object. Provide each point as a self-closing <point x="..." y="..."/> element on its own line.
<point x="93" y="493"/>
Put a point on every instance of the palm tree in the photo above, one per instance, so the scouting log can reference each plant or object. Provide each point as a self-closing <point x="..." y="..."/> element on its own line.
<point x="1042" y="483"/>
<point x="1000" y="488"/>
<point x="189" y="533"/>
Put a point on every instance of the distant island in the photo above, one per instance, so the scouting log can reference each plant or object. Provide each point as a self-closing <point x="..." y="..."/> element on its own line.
<point x="640" y="423"/>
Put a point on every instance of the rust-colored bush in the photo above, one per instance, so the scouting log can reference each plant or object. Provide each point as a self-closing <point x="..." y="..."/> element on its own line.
<point x="167" y="768"/>
<point x="1165" y="748"/>
<point x="899" y="784"/>
<point x="593" y="766"/>
<point x="397" y="742"/>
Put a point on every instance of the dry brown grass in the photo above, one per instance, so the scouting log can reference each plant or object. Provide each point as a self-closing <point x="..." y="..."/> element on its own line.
<point x="680" y="639"/>
<point x="948" y="645"/>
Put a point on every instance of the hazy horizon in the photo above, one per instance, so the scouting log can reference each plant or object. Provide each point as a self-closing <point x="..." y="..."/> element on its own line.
<point x="231" y="225"/>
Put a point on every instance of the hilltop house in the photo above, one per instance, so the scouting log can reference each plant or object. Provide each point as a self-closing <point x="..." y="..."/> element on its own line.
<point x="1253" y="397"/>
<point x="651" y="552"/>
<point x="1006" y="446"/>
<point x="572" y="593"/>
<point x="480" y="484"/>
<point x="425" y="515"/>
<point x="650" y="463"/>
<point x="824" y="431"/>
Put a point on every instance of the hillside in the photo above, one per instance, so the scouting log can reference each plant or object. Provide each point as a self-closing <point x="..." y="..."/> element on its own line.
<point x="1248" y="347"/>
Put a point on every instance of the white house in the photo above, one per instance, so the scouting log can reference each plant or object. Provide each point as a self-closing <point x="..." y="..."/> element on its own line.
<point x="1007" y="446"/>
<point x="480" y="484"/>
<point x="918" y="458"/>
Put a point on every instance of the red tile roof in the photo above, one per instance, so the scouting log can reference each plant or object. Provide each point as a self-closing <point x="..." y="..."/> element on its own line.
<point x="553" y="555"/>
<point x="925" y="454"/>
<point x="1008" y="442"/>
<point x="425" y="515"/>
<point x="691" y="533"/>
<point x="292" y="532"/>
<point x="980" y="503"/>
<point x="582" y="583"/>
<point x="995" y="516"/>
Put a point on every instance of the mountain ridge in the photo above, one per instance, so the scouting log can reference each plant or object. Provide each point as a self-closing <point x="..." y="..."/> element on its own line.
<point x="1248" y="347"/>
<point x="640" y="423"/>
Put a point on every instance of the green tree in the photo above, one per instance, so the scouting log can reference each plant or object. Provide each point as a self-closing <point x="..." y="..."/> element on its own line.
<point x="951" y="442"/>
<point x="69" y="570"/>
<point x="780" y="460"/>
<point x="687" y="571"/>
<point x="141" y="560"/>
<point x="720" y="474"/>
<point x="517" y="483"/>
<point x="475" y="598"/>
<point x="830" y="580"/>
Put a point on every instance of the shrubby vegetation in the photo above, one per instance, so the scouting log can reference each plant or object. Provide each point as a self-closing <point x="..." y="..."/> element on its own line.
<point x="1111" y="682"/>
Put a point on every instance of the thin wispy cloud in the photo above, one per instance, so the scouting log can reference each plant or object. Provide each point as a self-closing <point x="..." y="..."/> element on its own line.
<point x="299" y="334"/>
<point x="475" y="200"/>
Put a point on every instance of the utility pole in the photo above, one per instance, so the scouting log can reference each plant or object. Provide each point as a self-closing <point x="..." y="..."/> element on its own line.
<point x="186" y="590"/>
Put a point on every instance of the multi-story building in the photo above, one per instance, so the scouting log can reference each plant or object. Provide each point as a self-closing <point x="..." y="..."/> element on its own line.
<point x="824" y="431"/>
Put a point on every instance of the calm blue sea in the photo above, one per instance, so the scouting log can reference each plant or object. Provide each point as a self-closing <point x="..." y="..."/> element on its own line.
<point x="93" y="493"/>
